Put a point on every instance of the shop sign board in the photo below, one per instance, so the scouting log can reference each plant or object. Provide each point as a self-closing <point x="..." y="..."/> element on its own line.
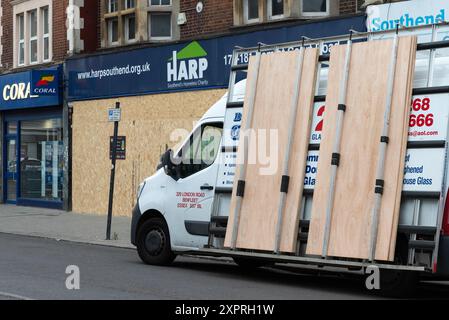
<point x="45" y="82"/>
<point x="406" y="14"/>
<point x="192" y="65"/>
<point x="18" y="90"/>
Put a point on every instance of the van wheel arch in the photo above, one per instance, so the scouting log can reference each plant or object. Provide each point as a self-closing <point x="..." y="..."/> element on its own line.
<point x="152" y="213"/>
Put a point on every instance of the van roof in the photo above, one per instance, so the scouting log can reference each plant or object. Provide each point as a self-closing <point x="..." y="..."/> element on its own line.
<point x="219" y="108"/>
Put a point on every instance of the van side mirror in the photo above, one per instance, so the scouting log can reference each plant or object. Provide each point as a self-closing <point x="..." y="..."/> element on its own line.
<point x="167" y="163"/>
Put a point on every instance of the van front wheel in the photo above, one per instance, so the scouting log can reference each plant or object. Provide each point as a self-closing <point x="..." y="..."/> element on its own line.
<point x="153" y="242"/>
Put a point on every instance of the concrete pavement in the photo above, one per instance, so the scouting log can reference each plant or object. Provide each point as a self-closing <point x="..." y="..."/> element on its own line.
<point x="62" y="225"/>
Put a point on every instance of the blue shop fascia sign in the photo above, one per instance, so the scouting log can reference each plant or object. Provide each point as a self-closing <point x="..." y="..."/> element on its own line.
<point x="195" y="65"/>
<point x="31" y="89"/>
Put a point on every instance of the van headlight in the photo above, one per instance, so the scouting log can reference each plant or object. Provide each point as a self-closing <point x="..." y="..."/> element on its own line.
<point x="140" y="189"/>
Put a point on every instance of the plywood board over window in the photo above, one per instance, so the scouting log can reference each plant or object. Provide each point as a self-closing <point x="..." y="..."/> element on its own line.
<point x="350" y="229"/>
<point x="274" y="95"/>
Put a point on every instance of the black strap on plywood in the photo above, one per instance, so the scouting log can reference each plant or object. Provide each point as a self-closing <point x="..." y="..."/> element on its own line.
<point x="341" y="107"/>
<point x="284" y="183"/>
<point x="240" y="188"/>
<point x="379" y="189"/>
<point x="335" y="159"/>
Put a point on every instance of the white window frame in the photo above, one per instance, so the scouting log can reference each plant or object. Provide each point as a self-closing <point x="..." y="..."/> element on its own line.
<point x="110" y="5"/>
<point x="126" y="28"/>
<point x="45" y="35"/>
<point x="246" y="20"/>
<point x="149" y="25"/>
<point x="21" y="41"/>
<point x="33" y="38"/>
<point x="129" y="7"/>
<point x="270" y="11"/>
<point x="109" y="22"/>
<point x="315" y="14"/>
<point x="24" y="8"/>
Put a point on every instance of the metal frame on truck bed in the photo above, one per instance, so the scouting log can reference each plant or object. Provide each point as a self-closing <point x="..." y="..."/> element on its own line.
<point x="422" y="208"/>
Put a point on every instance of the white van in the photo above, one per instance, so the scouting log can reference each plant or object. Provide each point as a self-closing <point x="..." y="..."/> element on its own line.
<point x="180" y="198"/>
<point x="183" y="207"/>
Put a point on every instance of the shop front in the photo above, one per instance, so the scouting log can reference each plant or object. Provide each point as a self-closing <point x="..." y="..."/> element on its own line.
<point x="32" y="138"/>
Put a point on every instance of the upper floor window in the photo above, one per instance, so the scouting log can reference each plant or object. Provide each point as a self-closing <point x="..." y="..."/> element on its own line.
<point x="130" y="27"/>
<point x="160" y="22"/>
<point x="45" y="34"/>
<point x="21" y="39"/>
<point x="251" y="11"/>
<point x="112" y="5"/>
<point x="160" y="2"/>
<point x="121" y="19"/>
<point x="275" y="9"/>
<point x="32" y="32"/>
<point x="160" y="25"/>
<point x="256" y="11"/>
<point x="315" y="7"/>
<point x="113" y="31"/>
<point x="129" y="4"/>
<point x="32" y="20"/>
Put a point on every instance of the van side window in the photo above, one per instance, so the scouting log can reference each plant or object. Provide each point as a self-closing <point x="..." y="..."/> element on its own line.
<point x="202" y="149"/>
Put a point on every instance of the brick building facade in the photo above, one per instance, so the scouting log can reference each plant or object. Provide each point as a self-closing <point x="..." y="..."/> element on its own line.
<point x="187" y="22"/>
<point x="216" y="17"/>
<point x="66" y="36"/>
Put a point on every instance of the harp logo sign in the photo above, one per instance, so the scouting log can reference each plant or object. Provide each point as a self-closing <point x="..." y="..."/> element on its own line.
<point x="186" y="67"/>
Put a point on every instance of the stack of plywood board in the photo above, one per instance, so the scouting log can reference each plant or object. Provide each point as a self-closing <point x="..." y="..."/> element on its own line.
<point x="274" y="91"/>
<point x="354" y="197"/>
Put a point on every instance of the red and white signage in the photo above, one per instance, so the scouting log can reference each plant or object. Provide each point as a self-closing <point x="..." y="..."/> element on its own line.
<point x="429" y="118"/>
<point x="317" y="122"/>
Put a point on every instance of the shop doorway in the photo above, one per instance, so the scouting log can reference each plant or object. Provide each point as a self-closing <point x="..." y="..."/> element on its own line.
<point x="33" y="150"/>
<point x="11" y="157"/>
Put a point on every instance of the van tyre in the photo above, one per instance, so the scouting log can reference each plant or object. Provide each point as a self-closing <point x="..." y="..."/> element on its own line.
<point x="153" y="243"/>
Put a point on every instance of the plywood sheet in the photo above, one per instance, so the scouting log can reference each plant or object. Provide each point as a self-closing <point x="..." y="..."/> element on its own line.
<point x="149" y="122"/>
<point x="363" y="121"/>
<point x="271" y="116"/>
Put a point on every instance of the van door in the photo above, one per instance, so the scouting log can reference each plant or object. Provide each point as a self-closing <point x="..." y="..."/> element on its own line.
<point x="194" y="188"/>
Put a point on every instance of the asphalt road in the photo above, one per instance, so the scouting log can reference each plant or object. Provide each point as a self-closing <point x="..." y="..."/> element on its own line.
<point x="34" y="268"/>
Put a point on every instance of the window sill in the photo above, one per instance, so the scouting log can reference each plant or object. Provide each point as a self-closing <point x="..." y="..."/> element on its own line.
<point x="251" y="22"/>
<point x="26" y="67"/>
<point x="161" y="39"/>
<point x="277" y="18"/>
<point x="128" y="11"/>
<point x="265" y="23"/>
<point x="159" y="8"/>
<point x="285" y="20"/>
<point x="110" y="15"/>
<point x="315" y="14"/>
